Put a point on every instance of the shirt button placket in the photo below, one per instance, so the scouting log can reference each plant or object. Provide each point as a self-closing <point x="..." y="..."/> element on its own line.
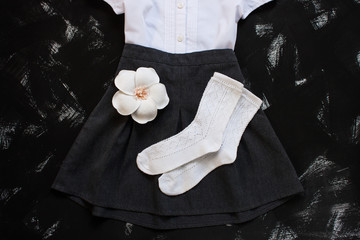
<point x="180" y="26"/>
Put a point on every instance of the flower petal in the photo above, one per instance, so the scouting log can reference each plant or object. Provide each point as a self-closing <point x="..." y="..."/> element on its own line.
<point x="125" y="81"/>
<point x="146" y="112"/>
<point x="145" y="77"/>
<point x="158" y="94"/>
<point x="125" y="104"/>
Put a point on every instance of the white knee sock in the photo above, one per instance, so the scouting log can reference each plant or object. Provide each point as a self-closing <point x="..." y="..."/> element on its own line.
<point x="187" y="176"/>
<point x="202" y="136"/>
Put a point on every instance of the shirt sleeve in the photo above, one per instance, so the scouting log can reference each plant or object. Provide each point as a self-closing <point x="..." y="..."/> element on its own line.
<point x="117" y="5"/>
<point x="245" y="7"/>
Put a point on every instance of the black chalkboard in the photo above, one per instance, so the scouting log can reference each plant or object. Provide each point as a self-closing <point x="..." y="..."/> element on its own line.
<point x="301" y="57"/>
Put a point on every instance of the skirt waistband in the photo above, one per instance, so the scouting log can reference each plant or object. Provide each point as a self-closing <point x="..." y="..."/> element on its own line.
<point x="214" y="56"/>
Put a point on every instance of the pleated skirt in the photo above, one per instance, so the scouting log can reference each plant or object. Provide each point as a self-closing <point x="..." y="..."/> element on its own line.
<point x="100" y="173"/>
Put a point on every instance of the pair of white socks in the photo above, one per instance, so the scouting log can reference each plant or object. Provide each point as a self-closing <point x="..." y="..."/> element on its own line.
<point x="211" y="139"/>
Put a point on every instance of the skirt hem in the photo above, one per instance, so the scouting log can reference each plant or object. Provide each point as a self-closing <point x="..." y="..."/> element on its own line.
<point x="234" y="215"/>
<point x="232" y="218"/>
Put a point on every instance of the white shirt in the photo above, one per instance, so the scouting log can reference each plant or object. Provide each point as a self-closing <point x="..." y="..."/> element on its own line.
<point x="183" y="26"/>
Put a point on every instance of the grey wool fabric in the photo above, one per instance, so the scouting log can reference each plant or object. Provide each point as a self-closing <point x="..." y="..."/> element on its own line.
<point x="100" y="172"/>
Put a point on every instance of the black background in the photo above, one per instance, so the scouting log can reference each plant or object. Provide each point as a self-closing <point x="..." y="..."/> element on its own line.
<point x="302" y="57"/>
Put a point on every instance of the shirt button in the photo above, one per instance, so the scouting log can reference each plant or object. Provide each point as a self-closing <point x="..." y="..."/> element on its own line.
<point x="180" y="38"/>
<point x="180" y="5"/>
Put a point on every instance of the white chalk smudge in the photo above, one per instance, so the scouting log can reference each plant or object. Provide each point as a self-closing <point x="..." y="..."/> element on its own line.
<point x="34" y="221"/>
<point x="48" y="9"/>
<point x="70" y="30"/>
<point x="54" y="47"/>
<point x="308" y="213"/>
<point x="7" y="132"/>
<point x="95" y="23"/>
<point x="264" y="29"/>
<point x="343" y="169"/>
<point x="317" y="5"/>
<point x="355" y="131"/>
<point x="336" y="221"/>
<point x="317" y="168"/>
<point x="51" y="62"/>
<point x="338" y="184"/>
<point x="70" y="114"/>
<point x="51" y="230"/>
<point x="31" y="101"/>
<point x="358" y="57"/>
<point x="42" y="165"/>
<point x="323" y="111"/>
<point x="320" y="21"/>
<point x="34" y="130"/>
<point x="323" y="19"/>
<point x="265" y="103"/>
<point x="97" y="41"/>
<point x="95" y="44"/>
<point x="300" y="82"/>
<point x="282" y="232"/>
<point x="312" y="4"/>
<point x="25" y="79"/>
<point x="275" y="51"/>
<point x="297" y="60"/>
<point x="238" y="235"/>
<point x="159" y="237"/>
<point x="68" y="90"/>
<point x="7" y="194"/>
<point x="128" y="229"/>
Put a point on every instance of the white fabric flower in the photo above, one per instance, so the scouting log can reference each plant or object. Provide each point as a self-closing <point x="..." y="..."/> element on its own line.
<point x="140" y="94"/>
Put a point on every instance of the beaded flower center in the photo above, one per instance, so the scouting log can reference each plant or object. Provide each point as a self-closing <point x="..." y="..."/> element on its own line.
<point x="141" y="93"/>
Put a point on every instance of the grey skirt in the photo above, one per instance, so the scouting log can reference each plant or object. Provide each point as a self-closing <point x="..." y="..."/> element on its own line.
<point x="100" y="171"/>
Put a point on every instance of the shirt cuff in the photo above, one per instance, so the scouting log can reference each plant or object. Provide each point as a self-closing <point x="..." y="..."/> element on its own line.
<point x="250" y="5"/>
<point x="117" y="5"/>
